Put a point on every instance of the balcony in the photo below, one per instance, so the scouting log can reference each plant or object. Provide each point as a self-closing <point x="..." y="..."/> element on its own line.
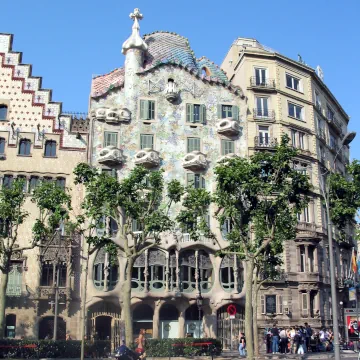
<point x="264" y="142"/>
<point x="228" y="127"/>
<point x="110" y="155"/>
<point x="186" y="238"/>
<point x="306" y="229"/>
<point x="335" y="123"/>
<point x="321" y="135"/>
<point x="111" y="115"/>
<point x="147" y="157"/>
<point x="195" y="160"/>
<point x="266" y="84"/>
<point x="264" y="114"/>
<point x="13" y="290"/>
<point x="334" y="148"/>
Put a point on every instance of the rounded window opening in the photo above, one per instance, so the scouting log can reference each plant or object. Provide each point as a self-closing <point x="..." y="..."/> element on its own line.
<point x="138" y="274"/>
<point x="171" y="86"/>
<point x="50" y="148"/>
<point x="24" y="147"/>
<point x="205" y="71"/>
<point x="206" y="277"/>
<point x="106" y="271"/>
<point x="231" y="274"/>
<point x="157" y="266"/>
<point x="169" y="312"/>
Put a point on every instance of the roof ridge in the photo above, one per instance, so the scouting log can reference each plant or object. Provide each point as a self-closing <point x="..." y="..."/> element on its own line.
<point x="119" y="68"/>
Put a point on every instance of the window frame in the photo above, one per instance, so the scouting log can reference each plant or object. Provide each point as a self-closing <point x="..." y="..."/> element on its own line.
<point x="223" y="146"/>
<point x="4" y="106"/>
<point x="110" y="133"/>
<point x="146" y="147"/>
<point x="302" y="111"/>
<point x="198" y="179"/>
<point x="27" y="142"/>
<point x="192" y="139"/>
<point x="52" y="144"/>
<point x="37" y="183"/>
<point x="190" y="114"/>
<point x="149" y="106"/>
<point x="261" y="76"/>
<point x="293" y="77"/>
<point x="2" y="143"/>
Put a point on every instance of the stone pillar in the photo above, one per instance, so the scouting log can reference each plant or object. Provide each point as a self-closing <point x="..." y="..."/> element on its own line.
<point x="298" y="258"/>
<point x="177" y="271"/>
<point x="167" y="272"/>
<point x="146" y="272"/>
<point x="316" y="259"/>
<point x="307" y="259"/>
<point x="156" y="322"/>
<point x="197" y="271"/>
<point x="308" y="301"/>
<point x="182" y="324"/>
<point x="236" y="275"/>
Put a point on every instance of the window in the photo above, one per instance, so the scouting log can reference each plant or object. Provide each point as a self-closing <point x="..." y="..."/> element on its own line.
<point x="3" y="112"/>
<point x="146" y="141"/>
<point x="61" y="182"/>
<point x="7" y="181"/>
<point x="24" y="147"/>
<point x="260" y="77"/>
<point x="227" y="147"/>
<point x="193" y="144"/>
<point x="303" y="168"/>
<point x="47" y="179"/>
<point x="264" y="135"/>
<point x="271" y="304"/>
<point x="302" y="258"/>
<point x="293" y="82"/>
<point x="15" y="280"/>
<point x="229" y="268"/>
<point x="304" y="216"/>
<point x="138" y="274"/>
<point x="304" y="303"/>
<point x="262" y="109"/>
<point x="110" y="172"/>
<point x="110" y="139"/>
<point x="333" y="143"/>
<point x="10" y="331"/>
<point x="330" y="114"/>
<point x="23" y="179"/>
<point x="226" y="227"/>
<point x="4" y="227"/>
<point x="49" y="274"/>
<point x="228" y="111"/>
<point x="196" y="113"/>
<point x="298" y="139"/>
<point x="147" y="109"/>
<point x="296" y="111"/>
<point x="157" y="267"/>
<point x="2" y="145"/>
<point x="34" y="182"/>
<point x="322" y="153"/>
<point x="105" y="271"/>
<point x="50" y="148"/>
<point x="317" y="100"/>
<point x="196" y="181"/>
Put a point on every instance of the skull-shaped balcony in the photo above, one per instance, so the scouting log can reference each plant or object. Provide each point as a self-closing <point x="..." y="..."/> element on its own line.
<point x="111" y="115"/>
<point x="110" y="155"/>
<point x="171" y="93"/>
<point x="228" y="126"/>
<point x="147" y="157"/>
<point x="224" y="159"/>
<point x="195" y="160"/>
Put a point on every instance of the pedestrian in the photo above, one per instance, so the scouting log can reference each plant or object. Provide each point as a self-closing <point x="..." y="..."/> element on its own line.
<point x="297" y="339"/>
<point x="268" y="341"/>
<point x="283" y="341"/>
<point x="275" y="339"/>
<point x="68" y="337"/>
<point x="242" y="344"/>
<point x="309" y="333"/>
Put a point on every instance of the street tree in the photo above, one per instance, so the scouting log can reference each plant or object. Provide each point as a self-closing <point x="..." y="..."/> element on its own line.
<point x="53" y="205"/>
<point x="261" y="197"/>
<point x="140" y="206"/>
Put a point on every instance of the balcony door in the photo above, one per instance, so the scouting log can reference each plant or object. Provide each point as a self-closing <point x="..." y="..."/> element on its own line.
<point x="262" y="107"/>
<point x="264" y="135"/>
<point x="260" y="77"/>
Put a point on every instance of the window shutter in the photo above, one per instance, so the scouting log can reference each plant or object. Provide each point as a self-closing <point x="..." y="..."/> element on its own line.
<point x="203" y="114"/>
<point x="207" y="220"/>
<point x="262" y="303"/>
<point x="304" y="303"/>
<point x="203" y="182"/>
<point x="219" y="111"/>
<point x="190" y="179"/>
<point x="113" y="173"/>
<point x="235" y="111"/>
<point x="189" y="113"/>
<point x="144" y="109"/>
<point x="279" y="303"/>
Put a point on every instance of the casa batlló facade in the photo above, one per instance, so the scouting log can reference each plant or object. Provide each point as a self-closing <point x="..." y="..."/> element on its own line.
<point x="166" y="109"/>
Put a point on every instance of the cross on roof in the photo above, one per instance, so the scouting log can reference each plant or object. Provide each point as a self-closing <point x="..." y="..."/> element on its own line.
<point x="136" y="14"/>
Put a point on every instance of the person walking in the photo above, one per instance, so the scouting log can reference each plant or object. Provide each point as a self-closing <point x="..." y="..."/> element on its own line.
<point x="275" y="339"/>
<point x="283" y="341"/>
<point x="309" y="333"/>
<point x="242" y="344"/>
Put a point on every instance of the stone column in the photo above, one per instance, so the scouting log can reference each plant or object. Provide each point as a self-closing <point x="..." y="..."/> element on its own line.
<point x="308" y="301"/>
<point x="236" y="275"/>
<point x="156" y="322"/>
<point x="146" y="272"/>
<point x="167" y="272"/>
<point x="298" y="258"/>
<point x="177" y="271"/>
<point x="316" y="259"/>
<point x="106" y="270"/>
<point x="307" y="258"/>
<point x="197" y="271"/>
<point x="182" y="324"/>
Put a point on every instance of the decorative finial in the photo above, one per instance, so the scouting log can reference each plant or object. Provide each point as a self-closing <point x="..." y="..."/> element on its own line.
<point x="135" y="41"/>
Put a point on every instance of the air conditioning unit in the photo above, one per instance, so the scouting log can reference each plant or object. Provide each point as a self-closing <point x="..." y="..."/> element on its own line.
<point x="287" y="311"/>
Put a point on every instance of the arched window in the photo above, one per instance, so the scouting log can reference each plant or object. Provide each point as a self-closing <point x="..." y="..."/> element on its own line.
<point x="157" y="266"/>
<point x="10" y="326"/>
<point x="24" y="147"/>
<point x="106" y="271"/>
<point x="61" y="182"/>
<point x="188" y="271"/>
<point x="226" y="228"/>
<point x="205" y="271"/>
<point x="171" y="86"/>
<point x="138" y="274"/>
<point x="34" y="182"/>
<point x="231" y="273"/>
<point x="50" y="148"/>
<point x="49" y="274"/>
<point x="2" y="146"/>
<point x="7" y="181"/>
<point x="3" y="112"/>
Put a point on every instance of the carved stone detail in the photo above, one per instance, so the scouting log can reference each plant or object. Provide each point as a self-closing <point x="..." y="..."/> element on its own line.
<point x="147" y="157"/>
<point x="110" y="155"/>
<point x="195" y="160"/>
<point x="228" y="127"/>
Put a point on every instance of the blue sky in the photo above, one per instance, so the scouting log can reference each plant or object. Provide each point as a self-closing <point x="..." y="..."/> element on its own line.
<point x="69" y="40"/>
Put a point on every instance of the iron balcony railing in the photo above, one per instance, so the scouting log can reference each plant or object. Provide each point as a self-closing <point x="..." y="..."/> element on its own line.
<point x="260" y="113"/>
<point x="262" y="83"/>
<point x="306" y="226"/>
<point x="321" y="134"/>
<point x="265" y="142"/>
<point x="335" y="122"/>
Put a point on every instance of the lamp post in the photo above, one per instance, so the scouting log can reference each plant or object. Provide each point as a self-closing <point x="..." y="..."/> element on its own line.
<point x="326" y="194"/>
<point x="199" y="303"/>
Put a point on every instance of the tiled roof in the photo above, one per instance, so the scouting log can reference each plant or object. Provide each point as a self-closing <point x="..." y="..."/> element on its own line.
<point x="215" y="70"/>
<point x="102" y="84"/>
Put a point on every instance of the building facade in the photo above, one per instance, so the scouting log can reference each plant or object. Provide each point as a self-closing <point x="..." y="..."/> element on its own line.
<point x="167" y="110"/>
<point x="38" y="143"/>
<point x="288" y="97"/>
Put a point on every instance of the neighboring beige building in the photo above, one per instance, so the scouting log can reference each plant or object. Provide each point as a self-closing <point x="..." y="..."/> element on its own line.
<point x="288" y="97"/>
<point x="38" y="143"/>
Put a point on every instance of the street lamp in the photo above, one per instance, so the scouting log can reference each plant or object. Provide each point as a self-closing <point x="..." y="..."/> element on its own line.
<point x="326" y="194"/>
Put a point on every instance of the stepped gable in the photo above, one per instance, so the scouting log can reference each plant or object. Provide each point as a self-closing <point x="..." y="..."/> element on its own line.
<point x="31" y="105"/>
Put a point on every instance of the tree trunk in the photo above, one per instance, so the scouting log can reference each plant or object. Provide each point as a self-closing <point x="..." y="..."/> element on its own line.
<point x="249" y="309"/>
<point x="3" y="286"/>
<point x="255" y="324"/>
<point x="126" y="310"/>
<point x="83" y="306"/>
